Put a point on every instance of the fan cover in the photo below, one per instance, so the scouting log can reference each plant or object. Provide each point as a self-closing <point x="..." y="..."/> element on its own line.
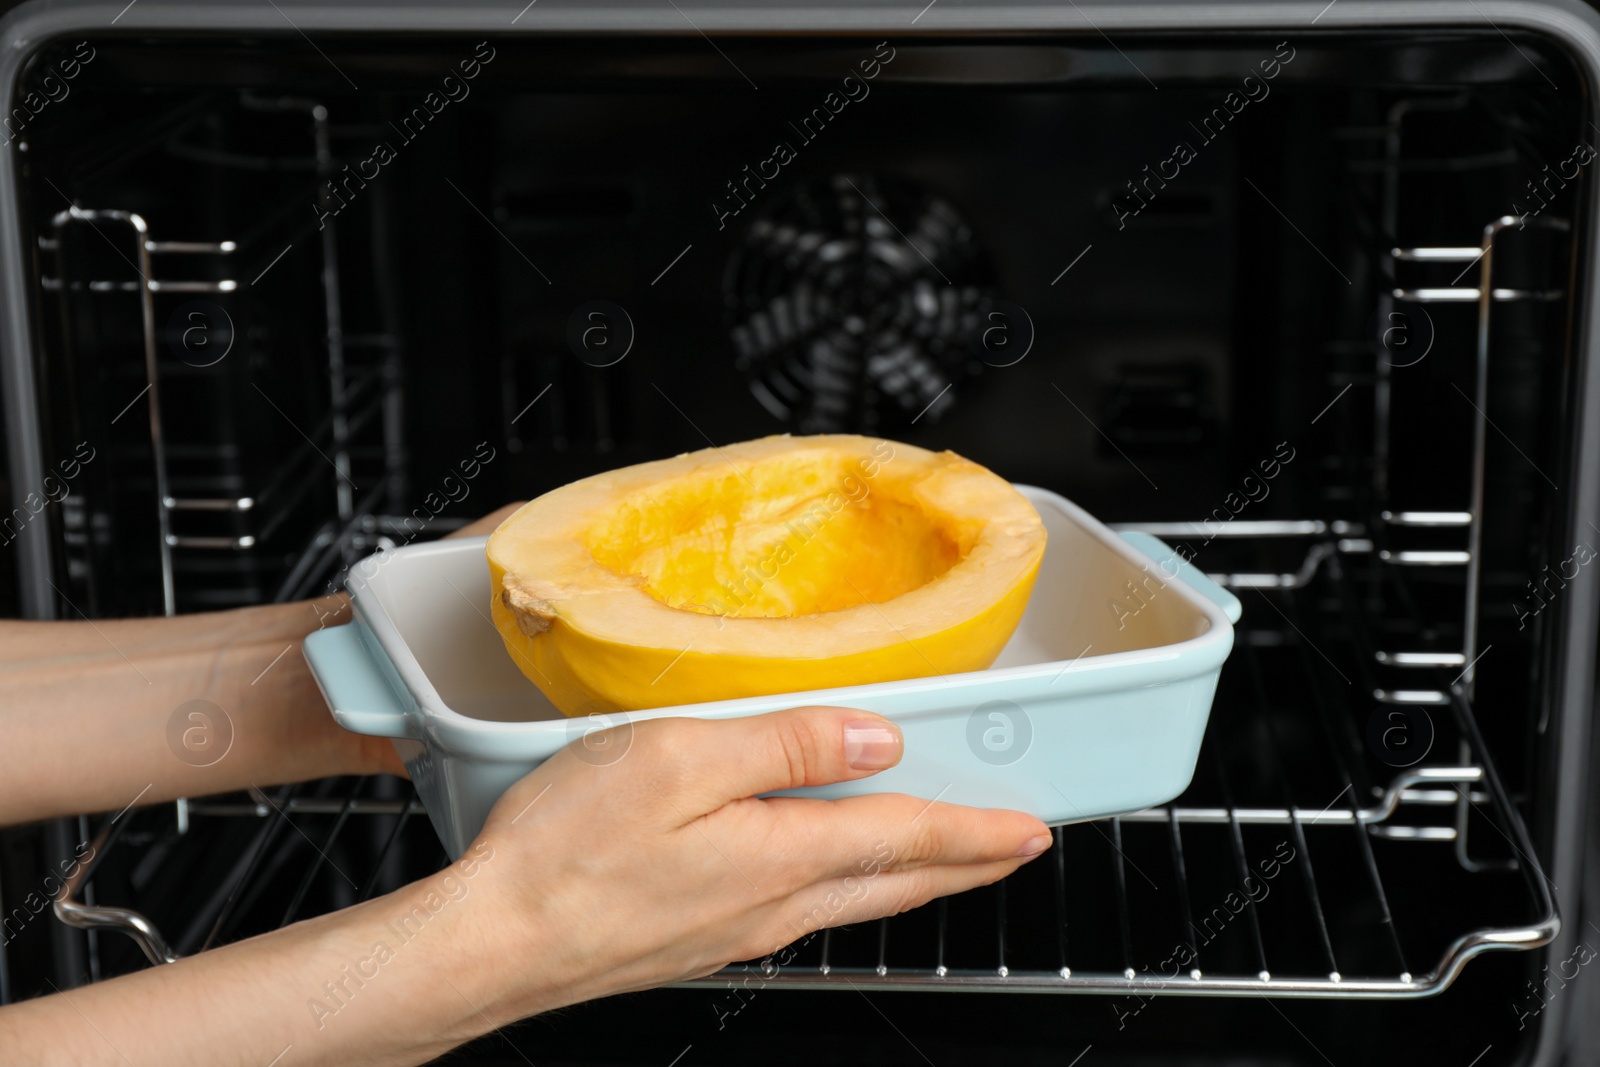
<point x="856" y="303"/>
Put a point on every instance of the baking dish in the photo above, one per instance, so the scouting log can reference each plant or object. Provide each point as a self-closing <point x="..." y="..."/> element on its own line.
<point x="1096" y="706"/>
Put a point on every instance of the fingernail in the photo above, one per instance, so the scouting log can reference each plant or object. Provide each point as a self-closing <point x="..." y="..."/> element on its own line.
<point x="1033" y="846"/>
<point x="871" y="745"/>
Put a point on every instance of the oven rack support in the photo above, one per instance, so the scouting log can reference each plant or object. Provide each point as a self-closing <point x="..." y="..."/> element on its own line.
<point x="145" y="248"/>
<point x="362" y="393"/>
<point x="355" y="402"/>
<point x="1483" y="296"/>
<point x="264" y="507"/>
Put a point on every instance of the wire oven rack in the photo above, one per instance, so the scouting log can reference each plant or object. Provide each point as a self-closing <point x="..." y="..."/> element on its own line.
<point x="1284" y="811"/>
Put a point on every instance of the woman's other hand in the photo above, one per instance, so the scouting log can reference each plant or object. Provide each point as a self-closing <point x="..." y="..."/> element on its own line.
<point x="641" y="855"/>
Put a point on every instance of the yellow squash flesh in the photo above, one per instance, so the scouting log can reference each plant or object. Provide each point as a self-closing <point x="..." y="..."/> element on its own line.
<point x="773" y="566"/>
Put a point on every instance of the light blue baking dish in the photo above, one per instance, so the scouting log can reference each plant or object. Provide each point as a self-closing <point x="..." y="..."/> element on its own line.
<point x="1096" y="706"/>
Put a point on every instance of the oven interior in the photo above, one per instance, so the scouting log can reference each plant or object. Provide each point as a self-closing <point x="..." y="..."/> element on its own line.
<point x="291" y="295"/>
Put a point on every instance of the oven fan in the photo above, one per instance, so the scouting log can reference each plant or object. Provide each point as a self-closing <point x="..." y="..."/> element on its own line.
<point x="856" y="302"/>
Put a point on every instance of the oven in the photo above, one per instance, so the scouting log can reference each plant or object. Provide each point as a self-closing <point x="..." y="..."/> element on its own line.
<point x="1307" y="291"/>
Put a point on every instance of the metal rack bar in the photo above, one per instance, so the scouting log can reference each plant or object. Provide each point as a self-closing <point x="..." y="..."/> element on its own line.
<point x="1399" y="791"/>
<point x="310" y="806"/>
<point x="1185" y="909"/>
<point x="1241" y="866"/>
<point x="1437" y="255"/>
<point x="1427" y="558"/>
<point x="243" y="503"/>
<point x="257" y="853"/>
<point x="1480" y="444"/>
<point x="1058" y="872"/>
<point x="1124" y="921"/>
<point x="154" y="285"/>
<point x="333" y="309"/>
<point x="189" y="541"/>
<point x="1516" y="832"/>
<point x="1427" y="518"/>
<point x="192" y="247"/>
<point x="1309" y="877"/>
<point x="87" y="916"/>
<point x="317" y="864"/>
<point x="1000" y="934"/>
<point x="1474" y="295"/>
<point x="1242" y="528"/>
<point x="1420" y="659"/>
<point x="383" y="856"/>
<point x="147" y="320"/>
<point x="1410" y="696"/>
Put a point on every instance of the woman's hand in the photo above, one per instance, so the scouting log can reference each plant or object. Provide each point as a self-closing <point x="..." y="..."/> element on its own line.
<point x="157" y="708"/>
<point x="639" y="855"/>
<point x="633" y="858"/>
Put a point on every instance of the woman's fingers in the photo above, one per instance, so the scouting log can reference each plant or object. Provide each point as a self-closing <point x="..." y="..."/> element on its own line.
<point x="680" y="769"/>
<point x="892" y="831"/>
<point x="703" y="764"/>
<point x="862" y="898"/>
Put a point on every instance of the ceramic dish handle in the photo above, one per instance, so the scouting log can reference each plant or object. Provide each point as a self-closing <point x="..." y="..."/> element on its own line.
<point x="1167" y="558"/>
<point x="354" y="685"/>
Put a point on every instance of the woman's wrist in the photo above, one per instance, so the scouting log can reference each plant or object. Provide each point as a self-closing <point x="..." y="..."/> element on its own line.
<point x="272" y="710"/>
<point x="298" y="738"/>
<point x="474" y="941"/>
<point x="185" y="706"/>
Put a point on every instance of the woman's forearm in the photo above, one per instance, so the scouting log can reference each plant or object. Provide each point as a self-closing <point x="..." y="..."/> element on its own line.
<point x="98" y="714"/>
<point x="396" y="980"/>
